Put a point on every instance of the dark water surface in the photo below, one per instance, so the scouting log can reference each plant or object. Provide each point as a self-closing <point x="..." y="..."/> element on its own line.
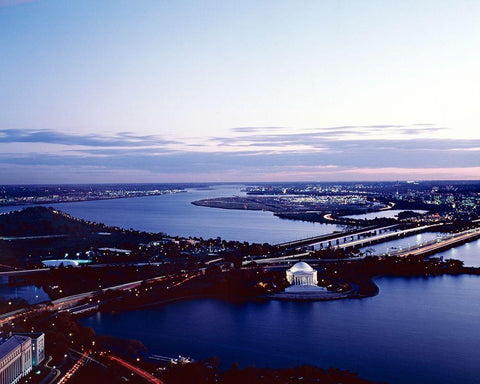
<point x="417" y="330"/>
<point x="30" y="293"/>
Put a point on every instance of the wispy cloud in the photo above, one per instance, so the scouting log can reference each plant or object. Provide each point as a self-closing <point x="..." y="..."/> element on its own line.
<point x="277" y="139"/>
<point x="121" y="139"/>
<point x="256" y="129"/>
<point x="322" y="153"/>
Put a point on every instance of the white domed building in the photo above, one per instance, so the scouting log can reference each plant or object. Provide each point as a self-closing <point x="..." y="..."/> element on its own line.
<point x="303" y="278"/>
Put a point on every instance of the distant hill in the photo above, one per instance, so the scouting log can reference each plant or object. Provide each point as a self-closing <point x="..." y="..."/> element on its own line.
<point x="41" y="221"/>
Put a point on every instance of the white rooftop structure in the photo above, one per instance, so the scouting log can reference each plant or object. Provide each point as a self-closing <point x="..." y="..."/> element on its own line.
<point x="303" y="278"/>
<point x="57" y="263"/>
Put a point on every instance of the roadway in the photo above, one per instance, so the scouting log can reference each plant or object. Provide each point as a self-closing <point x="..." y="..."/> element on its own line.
<point x="23" y="271"/>
<point x="139" y="371"/>
<point x="20" y="272"/>
<point x="445" y="243"/>
<point x="333" y="236"/>
<point x="431" y="247"/>
<point x="54" y="372"/>
<point x="73" y="300"/>
<point x="384" y="237"/>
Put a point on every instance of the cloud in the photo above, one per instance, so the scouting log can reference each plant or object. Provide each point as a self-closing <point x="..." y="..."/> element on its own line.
<point x="121" y="139"/>
<point x="241" y="139"/>
<point x="255" y="129"/>
<point x="319" y="154"/>
<point x="352" y="153"/>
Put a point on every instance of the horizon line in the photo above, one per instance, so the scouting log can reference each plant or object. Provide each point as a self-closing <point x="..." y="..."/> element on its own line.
<point x="257" y="182"/>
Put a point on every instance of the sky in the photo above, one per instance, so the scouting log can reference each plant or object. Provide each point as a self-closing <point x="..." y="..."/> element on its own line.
<point x="219" y="91"/>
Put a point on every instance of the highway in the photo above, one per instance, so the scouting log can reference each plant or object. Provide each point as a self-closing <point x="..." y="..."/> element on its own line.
<point x="81" y="361"/>
<point x="356" y="238"/>
<point x="70" y="301"/>
<point x="73" y="300"/>
<point x="333" y="236"/>
<point x="443" y="244"/>
<point x="383" y="237"/>
<point x="424" y="249"/>
<point x="23" y="271"/>
<point x="276" y="259"/>
<point x="142" y="373"/>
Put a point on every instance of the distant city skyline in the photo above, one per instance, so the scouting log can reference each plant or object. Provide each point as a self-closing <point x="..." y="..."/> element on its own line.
<point x="224" y="91"/>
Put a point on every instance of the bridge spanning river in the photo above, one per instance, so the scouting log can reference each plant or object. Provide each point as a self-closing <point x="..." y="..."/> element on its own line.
<point x="359" y="238"/>
<point x="380" y="238"/>
<point x="336" y="236"/>
<point x="441" y="244"/>
<point x="348" y="241"/>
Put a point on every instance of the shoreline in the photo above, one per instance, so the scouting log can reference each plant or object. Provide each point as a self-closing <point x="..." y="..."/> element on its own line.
<point x="321" y="216"/>
<point x="353" y="294"/>
<point x="79" y="200"/>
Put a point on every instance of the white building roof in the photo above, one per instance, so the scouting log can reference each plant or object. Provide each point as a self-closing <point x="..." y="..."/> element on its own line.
<point x="301" y="267"/>
<point x="57" y="263"/>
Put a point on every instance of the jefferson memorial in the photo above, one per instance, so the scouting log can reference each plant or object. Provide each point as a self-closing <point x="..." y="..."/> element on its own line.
<point x="303" y="278"/>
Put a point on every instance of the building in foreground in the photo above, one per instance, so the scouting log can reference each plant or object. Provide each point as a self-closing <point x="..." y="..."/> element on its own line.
<point x="304" y="286"/>
<point x="303" y="278"/>
<point x="18" y="353"/>
<point x="38" y="346"/>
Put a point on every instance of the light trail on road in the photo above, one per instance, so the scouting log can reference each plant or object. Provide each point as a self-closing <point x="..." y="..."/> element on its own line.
<point x="139" y="371"/>
<point x="74" y="369"/>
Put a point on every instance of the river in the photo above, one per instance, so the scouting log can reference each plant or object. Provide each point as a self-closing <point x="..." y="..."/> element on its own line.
<point x="389" y="213"/>
<point x="175" y="215"/>
<point x="417" y="331"/>
<point x="31" y="293"/>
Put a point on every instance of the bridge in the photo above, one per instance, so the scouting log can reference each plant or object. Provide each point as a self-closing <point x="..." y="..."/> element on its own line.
<point x="427" y="249"/>
<point x="353" y="239"/>
<point x="331" y="238"/>
<point x="436" y="246"/>
<point x="361" y="242"/>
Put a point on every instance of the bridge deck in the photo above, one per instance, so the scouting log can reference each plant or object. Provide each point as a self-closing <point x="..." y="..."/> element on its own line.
<point x="333" y="236"/>
<point x="384" y="236"/>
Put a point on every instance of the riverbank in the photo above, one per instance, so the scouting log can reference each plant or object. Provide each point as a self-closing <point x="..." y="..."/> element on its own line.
<point x="311" y="296"/>
<point x="43" y="200"/>
<point x="345" y="279"/>
<point x="305" y="211"/>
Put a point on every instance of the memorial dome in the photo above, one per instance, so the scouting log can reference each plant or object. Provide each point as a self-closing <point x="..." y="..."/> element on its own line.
<point x="303" y="280"/>
<point x="301" y="267"/>
<point x="302" y="274"/>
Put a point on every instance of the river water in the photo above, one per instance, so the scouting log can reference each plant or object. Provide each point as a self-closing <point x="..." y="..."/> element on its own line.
<point x="389" y="213"/>
<point x="175" y="215"/>
<point x="30" y="293"/>
<point x="417" y="330"/>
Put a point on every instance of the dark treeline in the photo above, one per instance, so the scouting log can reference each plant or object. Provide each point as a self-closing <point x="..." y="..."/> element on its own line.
<point x="208" y="372"/>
